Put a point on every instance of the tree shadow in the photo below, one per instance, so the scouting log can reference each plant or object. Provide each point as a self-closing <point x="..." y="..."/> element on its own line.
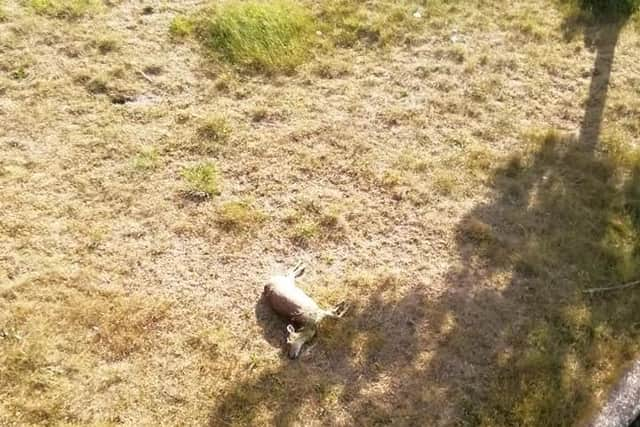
<point x="562" y="217"/>
<point x="562" y="220"/>
<point x="603" y="38"/>
<point x="513" y="340"/>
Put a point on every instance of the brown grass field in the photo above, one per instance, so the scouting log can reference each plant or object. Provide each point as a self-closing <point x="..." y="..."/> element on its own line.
<point x="459" y="171"/>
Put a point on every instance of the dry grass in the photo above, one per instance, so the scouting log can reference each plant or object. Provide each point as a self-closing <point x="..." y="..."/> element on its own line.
<point x="457" y="171"/>
<point x="54" y="327"/>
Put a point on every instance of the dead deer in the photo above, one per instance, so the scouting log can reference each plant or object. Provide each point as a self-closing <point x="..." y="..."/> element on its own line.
<point x="292" y="303"/>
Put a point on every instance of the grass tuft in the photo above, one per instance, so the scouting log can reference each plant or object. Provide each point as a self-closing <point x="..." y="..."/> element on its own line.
<point x="265" y="36"/>
<point x="331" y="69"/>
<point x="106" y="45"/>
<point x="147" y="159"/>
<point x="69" y="9"/>
<point x="202" y="179"/>
<point x="19" y="73"/>
<point x="215" y="129"/>
<point x="181" y="26"/>
<point x="304" y="232"/>
<point x="97" y="85"/>
<point x="238" y="216"/>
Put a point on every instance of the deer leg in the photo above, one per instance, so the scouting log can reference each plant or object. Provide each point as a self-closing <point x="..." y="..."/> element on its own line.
<point x="339" y="310"/>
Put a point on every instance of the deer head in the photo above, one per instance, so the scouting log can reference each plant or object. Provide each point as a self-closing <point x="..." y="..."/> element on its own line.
<point x="296" y="339"/>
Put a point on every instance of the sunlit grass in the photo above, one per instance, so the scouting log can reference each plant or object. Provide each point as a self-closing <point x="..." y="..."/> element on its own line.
<point x="266" y="36"/>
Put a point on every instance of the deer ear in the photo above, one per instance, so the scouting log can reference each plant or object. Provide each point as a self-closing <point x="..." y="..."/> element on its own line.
<point x="291" y="329"/>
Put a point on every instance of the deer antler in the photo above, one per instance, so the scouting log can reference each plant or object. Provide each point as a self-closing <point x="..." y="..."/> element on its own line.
<point x="298" y="269"/>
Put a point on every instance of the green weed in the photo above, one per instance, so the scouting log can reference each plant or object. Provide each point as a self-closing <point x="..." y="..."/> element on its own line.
<point x="146" y="159"/>
<point x="202" y="179"/>
<point x="215" y="129"/>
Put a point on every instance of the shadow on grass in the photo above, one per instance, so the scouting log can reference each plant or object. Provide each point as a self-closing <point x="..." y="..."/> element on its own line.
<point x="513" y="340"/>
<point x="563" y="217"/>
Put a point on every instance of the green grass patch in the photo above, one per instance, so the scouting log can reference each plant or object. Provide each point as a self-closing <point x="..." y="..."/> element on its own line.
<point x="264" y="36"/>
<point x="212" y="133"/>
<point x="181" y="26"/>
<point x="202" y="179"/>
<point x="304" y="232"/>
<point x="278" y="36"/>
<point x="64" y="8"/>
<point x="19" y="73"/>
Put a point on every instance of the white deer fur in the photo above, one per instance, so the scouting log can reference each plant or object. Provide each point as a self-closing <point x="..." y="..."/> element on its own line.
<point x="292" y="303"/>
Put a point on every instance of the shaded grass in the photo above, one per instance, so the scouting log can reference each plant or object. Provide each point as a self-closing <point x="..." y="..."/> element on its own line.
<point x="589" y="14"/>
<point x="264" y="36"/>
<point x="69" y="9"/>
<point x="606" y="8"/>
<point x="566" y="219"/>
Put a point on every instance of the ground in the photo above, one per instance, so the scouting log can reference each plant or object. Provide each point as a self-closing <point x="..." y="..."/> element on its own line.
<point x="460" y="184"/>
